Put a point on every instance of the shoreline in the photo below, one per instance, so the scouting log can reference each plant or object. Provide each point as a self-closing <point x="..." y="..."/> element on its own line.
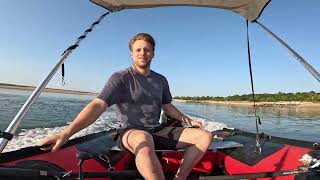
<point x="281" y="104"/>
<point x="51" y="90"/>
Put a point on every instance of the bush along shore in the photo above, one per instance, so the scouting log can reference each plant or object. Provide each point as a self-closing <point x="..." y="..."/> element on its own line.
<point x="299" y="99"/>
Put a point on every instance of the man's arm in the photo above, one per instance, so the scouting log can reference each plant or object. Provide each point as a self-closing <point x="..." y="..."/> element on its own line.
<point x="173" y="112"/>
<point x="86" y="117"/>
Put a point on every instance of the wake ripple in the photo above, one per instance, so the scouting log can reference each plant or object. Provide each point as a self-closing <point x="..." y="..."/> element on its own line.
<point x="31" y="137"/>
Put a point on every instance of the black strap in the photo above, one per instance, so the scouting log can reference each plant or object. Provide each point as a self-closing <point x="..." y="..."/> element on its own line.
<point x="95" y="23"/>
<point x="62" y="71"/>
<point x="88" y="30"/>
<point x="6" y="135"/>
<point x="84" y="35"/>
<point x="253" y="95"/>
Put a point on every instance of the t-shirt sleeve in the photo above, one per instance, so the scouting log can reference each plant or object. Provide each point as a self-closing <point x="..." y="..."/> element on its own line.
<point x="111" y="90"/>
<point x="166" y="95"/>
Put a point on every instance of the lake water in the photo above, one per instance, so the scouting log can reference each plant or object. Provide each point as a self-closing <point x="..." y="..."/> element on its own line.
<point x="52" y="112"/>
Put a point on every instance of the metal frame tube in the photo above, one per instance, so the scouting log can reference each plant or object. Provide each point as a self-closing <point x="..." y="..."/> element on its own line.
<point x="12" y="128"/>
<point x="295" y="54"/>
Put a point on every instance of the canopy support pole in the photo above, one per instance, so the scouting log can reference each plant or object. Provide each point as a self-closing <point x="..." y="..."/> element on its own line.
<point x="34" y="96"/>
<point x="295" y="54"/>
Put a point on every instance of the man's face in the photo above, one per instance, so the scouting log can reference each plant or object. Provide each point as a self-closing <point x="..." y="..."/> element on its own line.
<point x="141" y="53"/>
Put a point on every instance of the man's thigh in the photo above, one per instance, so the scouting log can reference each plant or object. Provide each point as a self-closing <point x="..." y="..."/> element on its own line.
<point x="168" y="138"/>
<point x="191" y="136"/>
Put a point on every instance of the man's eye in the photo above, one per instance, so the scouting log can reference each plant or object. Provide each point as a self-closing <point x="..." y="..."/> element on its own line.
<point x="138" y="50"/>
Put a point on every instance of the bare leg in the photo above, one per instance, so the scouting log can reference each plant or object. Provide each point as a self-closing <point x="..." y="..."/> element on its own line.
<point x="200" y="140"/>
<point x="141" y="144"/>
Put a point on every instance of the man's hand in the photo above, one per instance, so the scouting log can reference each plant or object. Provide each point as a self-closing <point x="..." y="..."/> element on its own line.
<point x="54" y="142"/>
<point x="172" y="111"/>
<point x="190" y="122"/>
<point x="196" y="124"/>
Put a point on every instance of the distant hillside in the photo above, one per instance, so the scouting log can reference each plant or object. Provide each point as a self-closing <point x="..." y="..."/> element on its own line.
<point x="266" y="97"/>
<point x="31" y="88"/>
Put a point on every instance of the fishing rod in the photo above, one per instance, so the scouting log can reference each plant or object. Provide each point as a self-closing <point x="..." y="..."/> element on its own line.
<point x="310" y="161"/>
<point x="33" y="174"/>
<point x="258" y="148"/>
<point x="30" y="173"/>
<point x="34" y="96"/>
<point x="259" y="175"/>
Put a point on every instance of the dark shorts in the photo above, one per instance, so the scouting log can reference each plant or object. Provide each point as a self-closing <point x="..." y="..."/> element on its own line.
<point x="164" y="139"/>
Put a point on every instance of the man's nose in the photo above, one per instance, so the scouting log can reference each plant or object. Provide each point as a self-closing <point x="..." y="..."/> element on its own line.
<point x="142" y="52"/>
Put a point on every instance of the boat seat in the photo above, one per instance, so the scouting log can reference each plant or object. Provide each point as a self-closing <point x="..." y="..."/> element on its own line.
<point x="97" y="146"/>
<point x="215" y="145"/>
<point x="104" y="143"/>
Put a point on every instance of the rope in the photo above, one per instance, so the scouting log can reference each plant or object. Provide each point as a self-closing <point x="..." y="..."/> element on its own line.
<point x="76" y="44"/>
<point x="258" y="146"/>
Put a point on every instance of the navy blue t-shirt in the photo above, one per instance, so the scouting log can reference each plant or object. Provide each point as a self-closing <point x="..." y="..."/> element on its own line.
<point x="137" y="99"/>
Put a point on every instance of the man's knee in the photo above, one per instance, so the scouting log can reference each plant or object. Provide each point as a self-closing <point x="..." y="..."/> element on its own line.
<point x="199" y="137"/>
<point x="141" y="141"/>
<point x="206" y="138"/>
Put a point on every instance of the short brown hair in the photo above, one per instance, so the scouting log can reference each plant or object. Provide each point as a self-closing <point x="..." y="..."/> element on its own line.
<point x="142" y="36"/>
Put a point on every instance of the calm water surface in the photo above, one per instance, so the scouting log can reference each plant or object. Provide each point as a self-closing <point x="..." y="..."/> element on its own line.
<point x="284" y="122"/>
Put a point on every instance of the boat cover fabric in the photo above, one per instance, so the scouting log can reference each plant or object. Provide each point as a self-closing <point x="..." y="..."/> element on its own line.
<point x="246" y="154"/>
<point x="250" y="9"/>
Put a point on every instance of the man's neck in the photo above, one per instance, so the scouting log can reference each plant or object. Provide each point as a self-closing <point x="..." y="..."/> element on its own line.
<point x="142" y="71"/>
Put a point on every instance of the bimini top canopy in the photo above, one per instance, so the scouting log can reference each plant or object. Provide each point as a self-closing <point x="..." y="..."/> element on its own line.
<point x="250" y="9"/>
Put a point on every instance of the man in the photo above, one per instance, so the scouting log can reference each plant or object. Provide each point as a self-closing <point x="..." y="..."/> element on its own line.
<point x="138" y="94"/>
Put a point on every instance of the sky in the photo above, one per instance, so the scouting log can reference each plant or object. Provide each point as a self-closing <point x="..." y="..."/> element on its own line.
<point x="201" y="51"/>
